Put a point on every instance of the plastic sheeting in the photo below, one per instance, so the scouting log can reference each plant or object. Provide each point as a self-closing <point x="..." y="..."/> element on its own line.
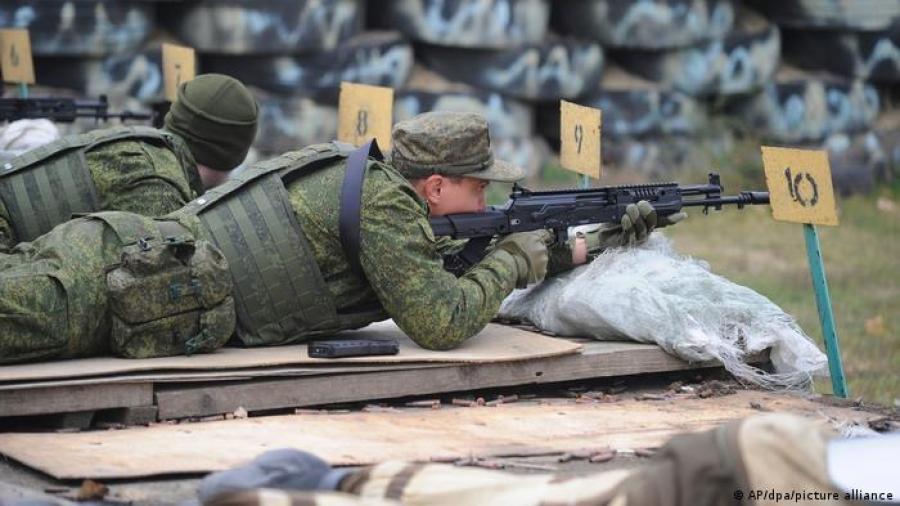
<point x="24" y="134"/>
<point x="651" y="294"/>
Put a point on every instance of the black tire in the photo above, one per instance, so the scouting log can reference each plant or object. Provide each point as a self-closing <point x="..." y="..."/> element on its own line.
<point x="644" y="24"/>
<point x="743" y="61"/>
<point x="507" y="117"/>
<point x="289" y="123"/>
<point x="856" y="161"/>
<point x="873" y="56"/>
<point x="633" y="107"/>
<point x="529" y="153"/>
<point x="467" y="23"/>
<point x="378" y="58"/>
<point x="798" y="107"/>
<point x="135" y="76"/>
<point x="82" y="28"/>
<point x="550" y="70"/>
<point x="264" y="26"/>
<point x="853" y="15"/>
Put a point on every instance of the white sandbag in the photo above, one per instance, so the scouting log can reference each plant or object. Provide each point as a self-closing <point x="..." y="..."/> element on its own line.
<point x="653" y="295"/>
<point x="24" y="134"/>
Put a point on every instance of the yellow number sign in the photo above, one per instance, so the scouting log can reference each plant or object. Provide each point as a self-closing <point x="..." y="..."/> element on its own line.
<point x="365" y="112"/>
<point x="579" y="131"/>
<point x="179" y="66"/>
<point x="799" y="184"/>
<point x="15" y="56"/>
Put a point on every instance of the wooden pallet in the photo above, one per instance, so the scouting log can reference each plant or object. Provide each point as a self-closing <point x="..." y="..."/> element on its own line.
<point x="181" y="395"/>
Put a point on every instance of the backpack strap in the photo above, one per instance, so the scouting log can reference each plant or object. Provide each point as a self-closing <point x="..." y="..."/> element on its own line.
<point x="351" y="202"/>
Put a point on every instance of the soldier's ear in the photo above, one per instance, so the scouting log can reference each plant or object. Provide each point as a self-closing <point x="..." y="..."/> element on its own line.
<point x="433" y="187"/>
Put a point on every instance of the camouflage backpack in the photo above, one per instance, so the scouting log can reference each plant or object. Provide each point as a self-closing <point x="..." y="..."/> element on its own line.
<point x="170" y="294"/>
<point x="47" y="185"/>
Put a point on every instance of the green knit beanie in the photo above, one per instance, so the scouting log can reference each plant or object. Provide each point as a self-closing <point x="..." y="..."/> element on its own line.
<point x="216" y="115"/>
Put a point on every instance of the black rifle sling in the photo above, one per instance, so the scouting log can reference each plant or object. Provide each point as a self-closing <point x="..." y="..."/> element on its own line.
<point x="351" y="202"/>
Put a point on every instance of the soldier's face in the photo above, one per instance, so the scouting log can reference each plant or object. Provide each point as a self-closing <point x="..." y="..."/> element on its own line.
<point x="461" y="195"/>
<point x="447" y="195"/>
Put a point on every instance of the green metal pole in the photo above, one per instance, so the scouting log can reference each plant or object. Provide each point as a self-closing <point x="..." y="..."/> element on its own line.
<point x="584" y="181"/>
<point x="823" y="302"/>
<point x="23" y="90"/>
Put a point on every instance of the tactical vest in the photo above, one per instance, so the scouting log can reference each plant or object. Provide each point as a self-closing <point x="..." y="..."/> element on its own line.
<point x="47" y="185"/>
<point x="279" y="292"/>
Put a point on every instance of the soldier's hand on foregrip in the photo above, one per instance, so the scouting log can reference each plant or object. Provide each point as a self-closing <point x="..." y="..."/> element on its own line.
<point x="665" y="221"/>
<point x="529" y="249"/>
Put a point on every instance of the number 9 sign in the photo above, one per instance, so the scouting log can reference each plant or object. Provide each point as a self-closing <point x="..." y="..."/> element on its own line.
<point x="579" y="130"/>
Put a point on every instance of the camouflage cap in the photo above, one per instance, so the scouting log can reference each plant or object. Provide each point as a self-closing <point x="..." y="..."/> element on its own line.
<point x="449" y="144"/>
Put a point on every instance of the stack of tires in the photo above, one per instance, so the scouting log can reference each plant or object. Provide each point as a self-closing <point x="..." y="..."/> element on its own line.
<point x="672" y="62"/>
<point x="845" y="59"/>
<point x="495" y="57"/>
<point x="92" y="47"/>
<point x="295" y="54"/>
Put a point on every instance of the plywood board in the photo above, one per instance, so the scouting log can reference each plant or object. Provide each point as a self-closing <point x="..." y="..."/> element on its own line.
<point x="365" y="438"/>
<point x="496" y="343"/>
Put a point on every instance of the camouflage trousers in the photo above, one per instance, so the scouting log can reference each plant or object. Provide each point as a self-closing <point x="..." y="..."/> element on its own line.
<point x="112" y="283"/>
<point x="776" y="451"/>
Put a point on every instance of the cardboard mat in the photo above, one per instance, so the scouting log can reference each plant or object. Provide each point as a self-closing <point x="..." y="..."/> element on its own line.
<point x="496" y="343"/>
<point x="535" y="427"/>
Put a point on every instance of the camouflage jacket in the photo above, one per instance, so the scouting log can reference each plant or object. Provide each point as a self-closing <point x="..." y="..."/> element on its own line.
<point x="134" y="176"/>
<point x="142" y="177"/>
<point x="401" y="259"/>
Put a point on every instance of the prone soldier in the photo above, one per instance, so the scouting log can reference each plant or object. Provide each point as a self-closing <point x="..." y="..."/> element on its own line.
<point x="138" y="169"/>
<point x="270" y="245"/>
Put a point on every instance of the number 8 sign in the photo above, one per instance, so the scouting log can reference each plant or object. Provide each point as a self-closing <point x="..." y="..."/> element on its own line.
<point x="365" y="112"/>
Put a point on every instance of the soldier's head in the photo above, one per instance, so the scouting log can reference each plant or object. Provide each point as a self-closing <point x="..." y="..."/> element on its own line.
<point x="216" y="115"/>
<point x="447" y="158"/>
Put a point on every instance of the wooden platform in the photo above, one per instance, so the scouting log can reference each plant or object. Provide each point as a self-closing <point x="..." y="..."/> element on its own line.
<point x="182" y="394"/>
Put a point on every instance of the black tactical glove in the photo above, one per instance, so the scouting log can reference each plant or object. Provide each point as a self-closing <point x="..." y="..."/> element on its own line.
<point x="529" y="249"/>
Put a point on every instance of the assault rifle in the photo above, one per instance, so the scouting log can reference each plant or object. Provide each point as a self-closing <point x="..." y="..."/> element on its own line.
<point x="63" y="109"/>
<point x="558" y="210"/>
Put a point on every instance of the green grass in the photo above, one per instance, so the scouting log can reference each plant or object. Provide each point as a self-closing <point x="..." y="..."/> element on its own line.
<point x="862" y="261"/>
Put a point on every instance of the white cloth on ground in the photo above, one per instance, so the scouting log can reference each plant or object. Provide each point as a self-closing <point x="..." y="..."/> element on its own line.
<point x="653" y="295"/>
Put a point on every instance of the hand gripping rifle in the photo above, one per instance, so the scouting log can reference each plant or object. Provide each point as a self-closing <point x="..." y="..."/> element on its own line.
<point x="62" y="109"/>
<point x="557" y="210"/>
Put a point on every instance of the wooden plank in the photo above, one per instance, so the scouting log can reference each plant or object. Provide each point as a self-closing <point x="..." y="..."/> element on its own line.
<point x="40" y="401"/>
<point x="539" y="427"/>
<point x="598" y="359"/>
<point x="210" y="376"/>
<point x="496" y="343"/>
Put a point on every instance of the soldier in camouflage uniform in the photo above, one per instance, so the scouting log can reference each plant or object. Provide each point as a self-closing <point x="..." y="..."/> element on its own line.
<point x="208" y="132"/>
<point x="777" y="452"/>
<point x="114" y="283"/>
<point x="441" y="163"/>
<point x="277" y="225"/>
